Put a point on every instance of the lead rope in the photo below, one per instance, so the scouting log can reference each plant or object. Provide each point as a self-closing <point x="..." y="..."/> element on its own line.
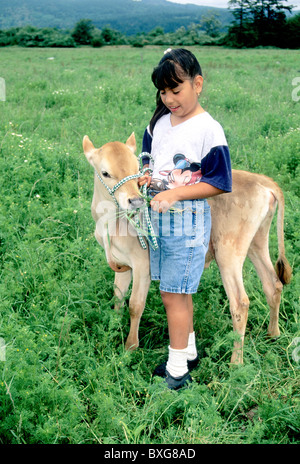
<point x="145" y="225"/>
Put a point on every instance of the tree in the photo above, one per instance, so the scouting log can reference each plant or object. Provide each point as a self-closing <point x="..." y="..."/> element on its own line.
<point x="269" y="20"/>
<point x="240" y="33"/>
<point x="83" y="32"/>
<point x="241" y="11"/>
<point x="292" y="34"/>
<point x="112" y="37"/>
<point x="258" y="22"/>
<point x="157" y="31"/>
<point x="97" y="39"/>
<point x="211" y="25"/>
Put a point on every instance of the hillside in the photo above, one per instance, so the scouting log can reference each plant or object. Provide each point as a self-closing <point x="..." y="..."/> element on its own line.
<point x="127" y="16"/>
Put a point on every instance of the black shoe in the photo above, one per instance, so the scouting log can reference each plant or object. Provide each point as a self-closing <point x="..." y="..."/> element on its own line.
<point x="161" y="369"/>
<point x="174" y="383"/>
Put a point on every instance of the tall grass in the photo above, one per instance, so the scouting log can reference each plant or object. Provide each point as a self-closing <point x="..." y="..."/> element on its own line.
<point x="66" y="377"/>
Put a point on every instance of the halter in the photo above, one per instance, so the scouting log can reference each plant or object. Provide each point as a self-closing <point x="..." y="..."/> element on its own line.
<point x="118" y="185"/>
<point x="148" y="230"/>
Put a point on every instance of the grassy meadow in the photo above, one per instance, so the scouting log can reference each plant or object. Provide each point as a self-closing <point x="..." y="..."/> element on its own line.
<point x="64" y="374"/>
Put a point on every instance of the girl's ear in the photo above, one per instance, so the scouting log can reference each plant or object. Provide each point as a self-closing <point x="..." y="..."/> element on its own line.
<point x="198" y="84"/>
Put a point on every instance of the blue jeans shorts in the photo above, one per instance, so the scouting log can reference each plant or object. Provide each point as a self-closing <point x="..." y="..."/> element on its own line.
<point x="183" y="237"/>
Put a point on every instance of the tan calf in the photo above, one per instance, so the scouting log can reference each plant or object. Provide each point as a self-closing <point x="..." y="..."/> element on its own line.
<point x="114" y="162"/>
<point x="240" y="226"/>
<point x="241" y="222"/>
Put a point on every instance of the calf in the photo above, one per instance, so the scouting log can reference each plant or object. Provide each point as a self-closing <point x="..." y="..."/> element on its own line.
<point x="240" y="226"/>
<point x="241" y="222"/>
<point x="112" y="163"/>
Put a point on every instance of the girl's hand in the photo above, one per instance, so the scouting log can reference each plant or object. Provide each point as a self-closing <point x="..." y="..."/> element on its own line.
<point x="163" y="201"/>
<point x="145" y="179"/>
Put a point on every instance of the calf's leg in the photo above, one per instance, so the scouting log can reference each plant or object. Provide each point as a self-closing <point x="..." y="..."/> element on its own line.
<point x="272" y="287"/>
<point x="121" y="285"/>
<point x="140" y="287"/>
<point x="232" y="278"/>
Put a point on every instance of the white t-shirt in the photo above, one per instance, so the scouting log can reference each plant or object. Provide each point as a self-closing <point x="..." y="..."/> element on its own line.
<point x="194" y="151"/>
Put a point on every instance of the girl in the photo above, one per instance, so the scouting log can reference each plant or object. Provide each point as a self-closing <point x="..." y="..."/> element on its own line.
<point x="189" y="145"/>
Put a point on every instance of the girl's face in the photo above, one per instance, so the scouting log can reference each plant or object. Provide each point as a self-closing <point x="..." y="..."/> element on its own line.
<point x="182" y="101"/>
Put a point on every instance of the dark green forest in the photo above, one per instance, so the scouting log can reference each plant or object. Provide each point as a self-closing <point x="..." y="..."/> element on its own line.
<point x="129" y="17"/>
<point x="246" y="23"/>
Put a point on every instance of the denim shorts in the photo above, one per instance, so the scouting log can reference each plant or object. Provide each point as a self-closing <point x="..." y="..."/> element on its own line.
<point x="183" y="237"/>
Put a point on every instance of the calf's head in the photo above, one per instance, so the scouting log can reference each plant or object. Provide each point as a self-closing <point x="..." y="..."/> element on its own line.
<point x="113" y="162"/>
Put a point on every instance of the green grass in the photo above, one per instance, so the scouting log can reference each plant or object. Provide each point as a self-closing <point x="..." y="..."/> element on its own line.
<point x="66" y="377"/>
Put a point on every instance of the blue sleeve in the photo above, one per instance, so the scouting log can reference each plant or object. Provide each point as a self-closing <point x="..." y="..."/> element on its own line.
<point x="216" y="168"/>
<point x="146" y="147"/>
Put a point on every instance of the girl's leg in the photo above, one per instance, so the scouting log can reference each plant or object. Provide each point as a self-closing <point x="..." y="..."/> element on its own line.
<point x="191" y="313"/>
<point x="179" y="309"/>
<point x="192" y="349"/>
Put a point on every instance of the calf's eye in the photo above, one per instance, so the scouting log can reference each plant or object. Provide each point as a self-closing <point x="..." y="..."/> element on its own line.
<point x="105" y="174"/>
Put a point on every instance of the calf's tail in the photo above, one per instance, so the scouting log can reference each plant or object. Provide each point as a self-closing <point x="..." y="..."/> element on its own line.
<point x="282" y="266"/>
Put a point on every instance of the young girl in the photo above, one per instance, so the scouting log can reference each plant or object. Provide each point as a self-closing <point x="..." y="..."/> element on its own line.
<point x="189" y="162"/>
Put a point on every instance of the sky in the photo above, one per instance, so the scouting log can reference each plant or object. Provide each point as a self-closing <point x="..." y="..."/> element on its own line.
<point x="224" y="3"/>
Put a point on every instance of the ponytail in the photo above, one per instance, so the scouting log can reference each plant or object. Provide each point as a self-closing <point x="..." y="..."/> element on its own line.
<point x="160" y="111"/>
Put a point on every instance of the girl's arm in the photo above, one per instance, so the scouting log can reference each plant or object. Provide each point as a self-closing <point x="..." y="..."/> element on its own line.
<point x="164" y="200"/>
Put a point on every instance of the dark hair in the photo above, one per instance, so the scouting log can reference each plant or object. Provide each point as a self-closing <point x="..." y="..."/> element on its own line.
<point x="174" y="67"/>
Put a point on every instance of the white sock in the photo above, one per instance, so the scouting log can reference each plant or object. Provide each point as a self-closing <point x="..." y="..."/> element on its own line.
<point x="177" y="362"/>
<point x="192" y="350"/>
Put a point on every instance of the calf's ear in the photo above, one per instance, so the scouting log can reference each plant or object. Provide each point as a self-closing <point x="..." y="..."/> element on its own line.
<point x="88" y="149"/>
<point x="131" y="143"/>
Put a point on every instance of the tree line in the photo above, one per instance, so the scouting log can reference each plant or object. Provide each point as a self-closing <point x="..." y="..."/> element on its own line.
<point x="256" y="23"/>
<point x="85" y="33"/>
<point x="263" y="23"/>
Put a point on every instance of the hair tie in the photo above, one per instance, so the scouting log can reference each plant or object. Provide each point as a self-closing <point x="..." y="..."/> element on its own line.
<point x="168" y="50"/>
